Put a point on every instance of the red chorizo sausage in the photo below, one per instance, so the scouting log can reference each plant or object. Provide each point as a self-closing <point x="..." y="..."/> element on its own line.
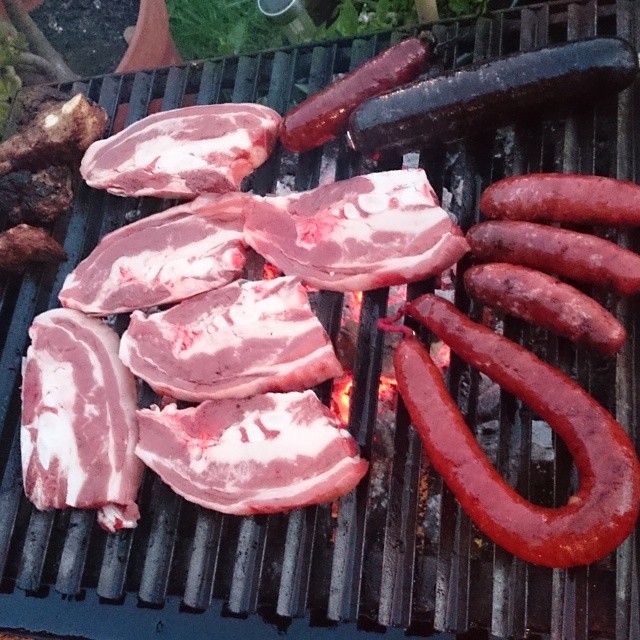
<point x="603" y="511"/>
<point x="546" y="302"/>
<point x="576" y="256"/>
<point x="325" y="115"/>
<point x="560" y="197"/>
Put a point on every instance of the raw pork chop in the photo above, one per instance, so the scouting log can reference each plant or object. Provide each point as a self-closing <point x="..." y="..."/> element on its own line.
<point x="166" y="257"/>
<point x="79" y="426"/>
<point x="370" y="231"/>
<point x="272" y="452"/>
<point x="234" y="342"/>
<point x="184" y="152"/>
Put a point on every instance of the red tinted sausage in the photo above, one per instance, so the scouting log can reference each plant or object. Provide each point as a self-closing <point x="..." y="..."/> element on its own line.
<point x="546" y="302"/>
<point x="559" y="197"/>
<point x="325" y="115"/>
<point x="603" y="511"/>
<point x="576" y="256"/>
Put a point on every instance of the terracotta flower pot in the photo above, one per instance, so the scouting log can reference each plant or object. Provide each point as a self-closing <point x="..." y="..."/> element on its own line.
<point x="30" y="5"/>
<point x="151" y="44"/>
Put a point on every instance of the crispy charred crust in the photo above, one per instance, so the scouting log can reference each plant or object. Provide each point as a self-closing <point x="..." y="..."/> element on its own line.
<point x="23" y="244"/>
<point x="36" y="198"/>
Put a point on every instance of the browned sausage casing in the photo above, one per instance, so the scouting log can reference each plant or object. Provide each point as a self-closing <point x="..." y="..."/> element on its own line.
<point x="603" y="511"/>
<point x="325" y="115"/>
<point x="559" y="197"/>
<point x="576" y="256"/>
<point x="546" y="302"/>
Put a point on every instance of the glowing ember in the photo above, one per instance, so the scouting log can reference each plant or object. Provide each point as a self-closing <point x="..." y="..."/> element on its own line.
<point x="441" y="354"/>
<point x="270" y="272"/>
<point x="343" y="387"/>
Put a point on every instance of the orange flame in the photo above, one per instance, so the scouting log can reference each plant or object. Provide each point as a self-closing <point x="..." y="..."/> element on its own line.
<point x="270" y="272"/>
<point x="343" y="388"/>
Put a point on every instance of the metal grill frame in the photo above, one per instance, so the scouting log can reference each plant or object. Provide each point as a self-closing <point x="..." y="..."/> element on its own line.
<point x="187" y="571"/>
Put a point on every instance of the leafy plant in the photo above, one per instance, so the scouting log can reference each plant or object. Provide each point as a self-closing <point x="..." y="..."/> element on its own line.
<point x="354" y="17"/>
<point x="207" y="28"/>
<point x="12" y="44"/>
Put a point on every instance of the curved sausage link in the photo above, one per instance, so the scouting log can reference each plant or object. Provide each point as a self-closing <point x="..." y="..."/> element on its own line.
<point x="546" y="302"/>
<point x="325" y="115"/>
<point x="603" y="511"/>
<point x="576" y="256"/>
<point x="563" y="197"/>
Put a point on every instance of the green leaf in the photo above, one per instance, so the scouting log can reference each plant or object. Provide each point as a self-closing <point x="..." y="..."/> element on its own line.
<point x="347" y="22"/>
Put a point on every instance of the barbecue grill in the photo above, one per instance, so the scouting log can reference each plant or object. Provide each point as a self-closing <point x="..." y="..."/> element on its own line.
<point x="407" y="561"/>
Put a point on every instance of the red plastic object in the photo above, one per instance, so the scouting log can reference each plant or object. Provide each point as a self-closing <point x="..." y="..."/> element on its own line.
<point x="30" y="5"/>
<point x="151" y="45"/>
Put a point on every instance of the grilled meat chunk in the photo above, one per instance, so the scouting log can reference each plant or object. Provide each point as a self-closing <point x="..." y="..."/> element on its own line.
<point x="36" y="198"/>
<point x="62" y="135"/>
<point x="24" y="244"/>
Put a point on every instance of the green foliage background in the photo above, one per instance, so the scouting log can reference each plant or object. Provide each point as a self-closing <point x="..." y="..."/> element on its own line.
<point x="11" y="45"/>
<point x="208" y="28"/>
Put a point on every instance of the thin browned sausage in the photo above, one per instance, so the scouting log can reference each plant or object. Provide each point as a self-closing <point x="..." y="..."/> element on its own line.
<point x="325" y="115"/>
<point x="546" y="302"/>
<point x="576" y="256"/>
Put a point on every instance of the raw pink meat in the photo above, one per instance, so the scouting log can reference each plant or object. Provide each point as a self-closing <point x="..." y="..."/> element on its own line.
<point x="371" y="231"/>
<point x="234" y="342"/>
<point x="269" y="453"/>
<point x="164" y="258"/>
<point x="184" y="152"/>
<point x="79" y="426"/>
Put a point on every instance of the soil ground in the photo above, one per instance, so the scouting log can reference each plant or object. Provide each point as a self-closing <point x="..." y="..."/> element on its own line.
<point x="88" y="33"/>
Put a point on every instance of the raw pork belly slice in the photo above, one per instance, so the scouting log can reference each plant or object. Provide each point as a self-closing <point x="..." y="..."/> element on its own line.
<point x="270" y="453"/>
<point x="371" y="231"/>
<point x="234" y="342"/>
<point x="164" y="258"/>
<point x="79" y="428"/>
<point x="184" y="152"/>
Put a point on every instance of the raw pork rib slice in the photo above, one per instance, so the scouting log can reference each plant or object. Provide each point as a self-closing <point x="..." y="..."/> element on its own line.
<point x="164" y="258"/>
<point x="234" y="342"/>
<point x="371" y="231"/>
<point x="270" y="453"/>
<point x="79" y="428"/>
<point x="184" y="152"/>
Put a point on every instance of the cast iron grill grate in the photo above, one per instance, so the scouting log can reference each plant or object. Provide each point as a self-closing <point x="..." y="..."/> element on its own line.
<point x="392" y="564"/>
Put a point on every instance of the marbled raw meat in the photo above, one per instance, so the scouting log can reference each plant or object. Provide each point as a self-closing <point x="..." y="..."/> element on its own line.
<point x="370" y="231"/>
<point x="79" y="427"/>
<point x="269" y="453"/>
<point x="164" y="258"/>
<point x="184" y="152"/>
<point x="233" y="342"/>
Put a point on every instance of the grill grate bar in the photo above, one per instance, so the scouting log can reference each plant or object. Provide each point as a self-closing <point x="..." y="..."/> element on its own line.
<point x="301" y="527"/>
<point x="203" y="560"/>
<point x="250" y="551"/>
<point x="74" y="553"/>
<point x="627" y="606"/>
<point x="572" y="618"/>
<point x="210" y="83"/>
<point x="166" y="504"/>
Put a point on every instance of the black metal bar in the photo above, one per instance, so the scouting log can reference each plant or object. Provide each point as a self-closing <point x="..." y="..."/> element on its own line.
<point x="204" y="558"/>
<point x="74" y="552"/>
<point x="210" y="82"/>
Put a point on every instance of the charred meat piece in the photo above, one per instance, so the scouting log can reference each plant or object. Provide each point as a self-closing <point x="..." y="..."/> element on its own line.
<point x="23" y="244"/>
<point x="34" y="100"/>
<point x="36" y="198"/>
<point x="61" y="135"/>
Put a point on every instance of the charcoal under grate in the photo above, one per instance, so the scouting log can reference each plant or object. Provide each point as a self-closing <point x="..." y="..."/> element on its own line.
<point x="397" y="555"/>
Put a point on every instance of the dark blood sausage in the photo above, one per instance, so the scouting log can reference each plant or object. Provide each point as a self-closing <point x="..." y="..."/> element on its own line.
<point x="545" y="302"/>
<point x="577" y="256"/>
<point x="325" y="115"/>
<point x="482" y="97"/>
<point x="603" y="511"/>
<point x="565" y="198"/>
